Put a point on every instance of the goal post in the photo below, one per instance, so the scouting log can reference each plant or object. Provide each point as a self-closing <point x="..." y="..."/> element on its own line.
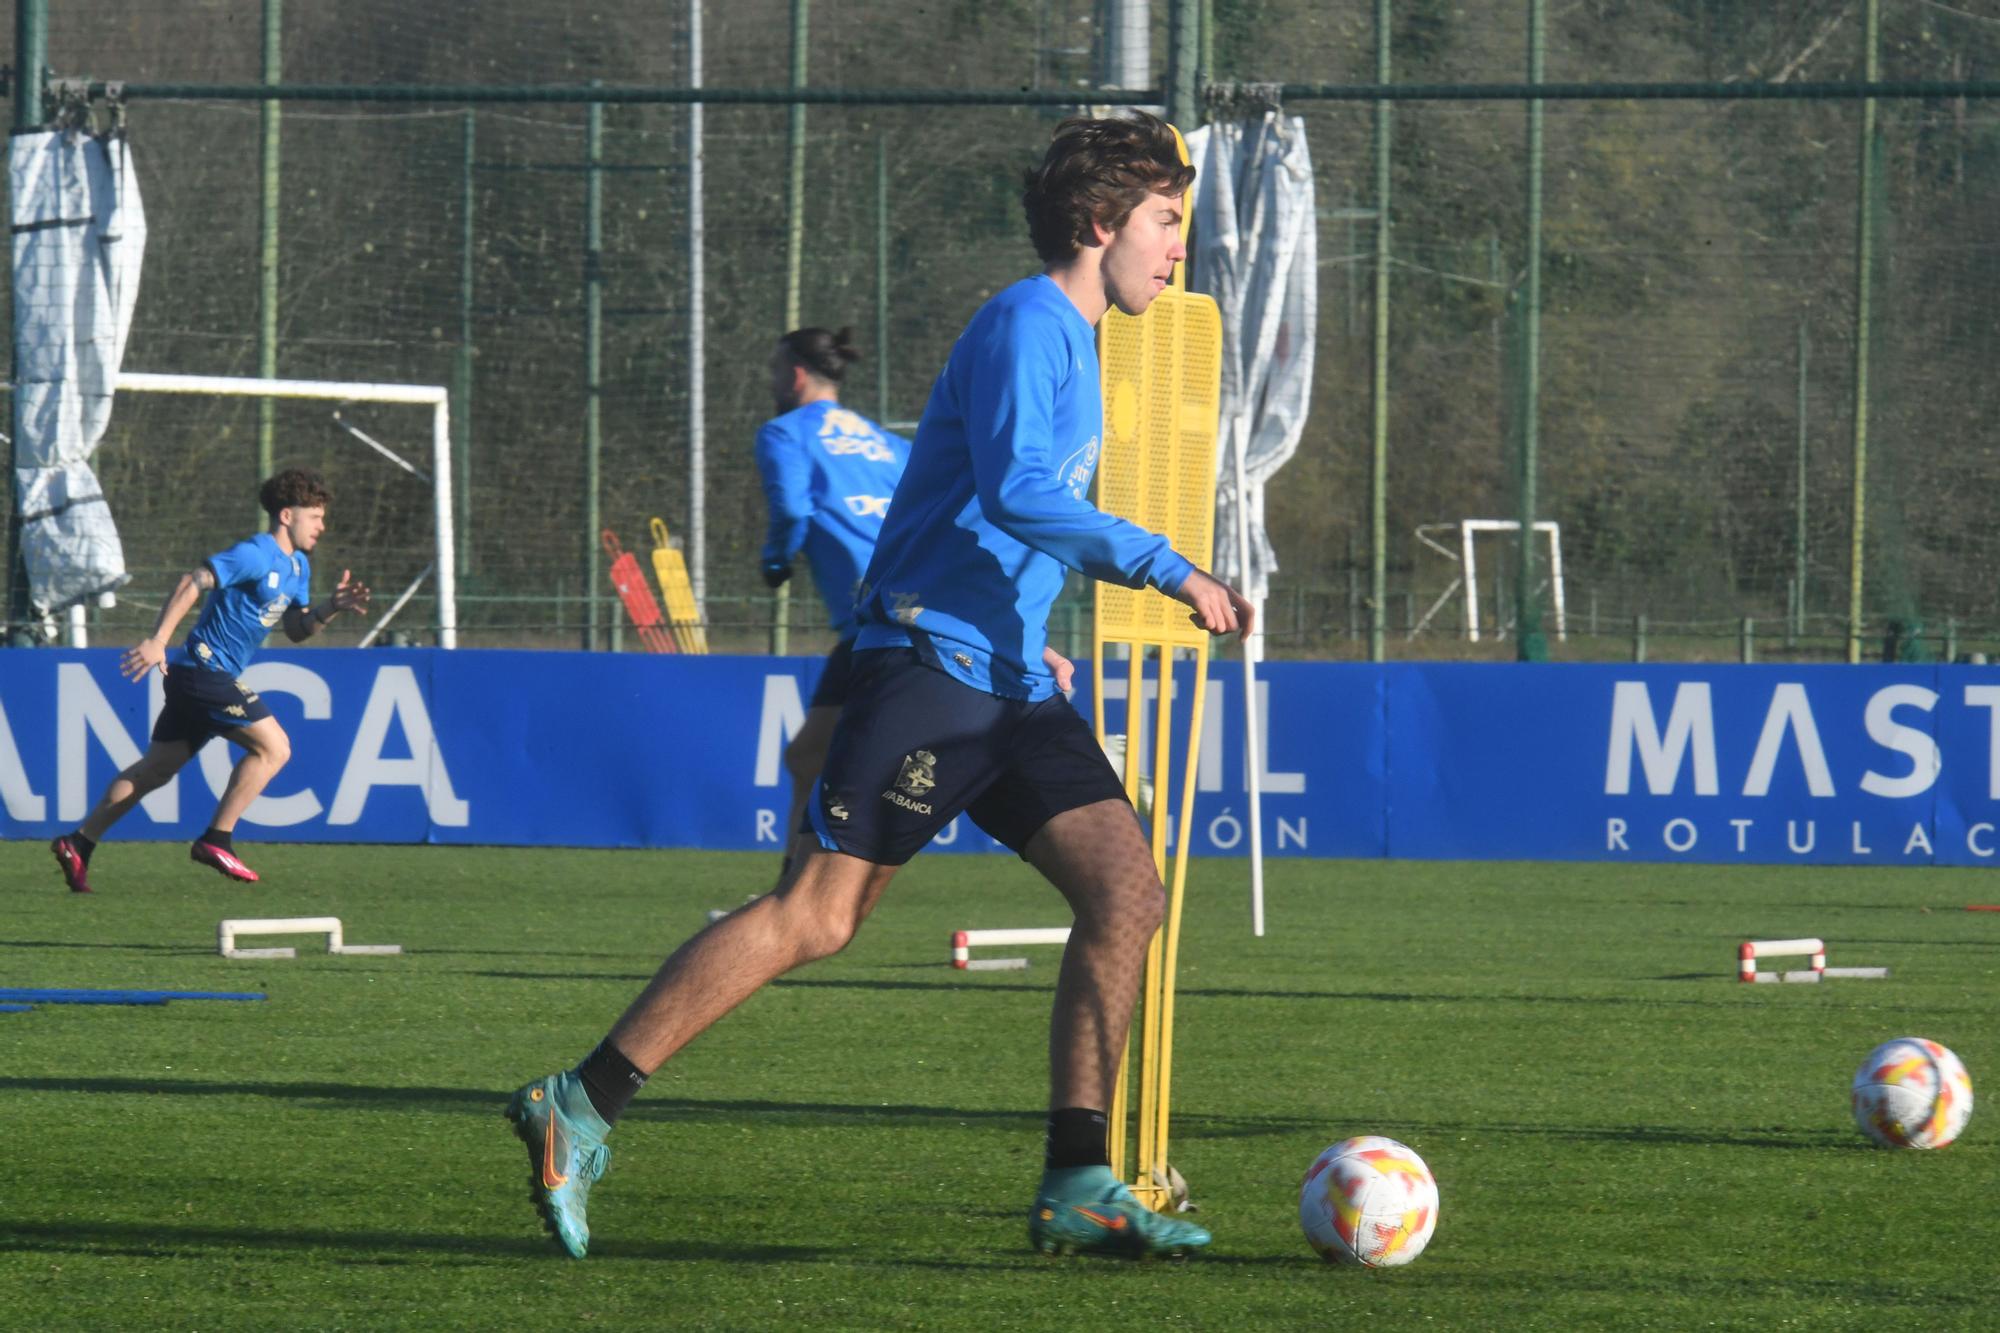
<point x="433" y="396"/>
<point x="1467" y="559"/>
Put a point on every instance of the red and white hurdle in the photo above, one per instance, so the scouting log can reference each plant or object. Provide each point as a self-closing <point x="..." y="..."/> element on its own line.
<point x="1812" y="949"/>
<point x="963" y="942"/>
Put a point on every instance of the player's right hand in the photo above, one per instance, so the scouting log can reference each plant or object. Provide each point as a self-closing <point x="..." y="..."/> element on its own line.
<point x="775" y="572"/>
<point x="1218" y="608"/>
<point x="143" y="657"/>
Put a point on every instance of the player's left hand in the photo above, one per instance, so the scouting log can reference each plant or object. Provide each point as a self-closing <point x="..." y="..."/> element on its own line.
<point x="775" y="572"/>
<point x="350" y="596"/>
<point x="1218" y="608"/>
<point x="1060" y="667"/>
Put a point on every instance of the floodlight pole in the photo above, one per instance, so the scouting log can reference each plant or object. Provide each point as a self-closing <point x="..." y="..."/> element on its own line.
<point x="462" y="363"/>
<point x="31" y="50"/>
<point x="1378" y="476"/>
<point x="1864" y="263"/>
<point x="31" y="54"/>
<point x="593" y="365"/>
<point x="1529" y="643"/>
<point x="882" y="277"/>
<point x="697" y="533"/>
<point x="1798" y="626"/>
<point x="795" y="242"/>
<point x="1183" y="61"/>
<point x="270" y="118"/>
<point x="1125" y="54"/>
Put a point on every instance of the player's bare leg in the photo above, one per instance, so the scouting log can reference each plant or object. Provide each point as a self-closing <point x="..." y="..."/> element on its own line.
<point x="1098" y="860"/>
<point x="145" y="775"/>
<point x="810" y="916"/>
<point x="804" y="758"/>
<point x="564" y="1118"/>
<point x="266" y="749"/>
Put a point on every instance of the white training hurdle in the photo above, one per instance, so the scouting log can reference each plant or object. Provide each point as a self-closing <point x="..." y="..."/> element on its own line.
<point x="1750" y="951"/>
<point x="1814" y="950"/>
<point x="329" y="926"/>
<point x="963" y="942"/>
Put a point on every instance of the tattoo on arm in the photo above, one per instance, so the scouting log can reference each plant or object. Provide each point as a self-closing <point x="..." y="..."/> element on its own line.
<point x="204" y="578"/>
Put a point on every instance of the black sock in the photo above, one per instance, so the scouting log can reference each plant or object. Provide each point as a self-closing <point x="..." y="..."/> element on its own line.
<point x="1077" y="1138"/>
<point x="216" y="837"/>
<point x="84" y="846"/>
<point x="610" y="1080"/>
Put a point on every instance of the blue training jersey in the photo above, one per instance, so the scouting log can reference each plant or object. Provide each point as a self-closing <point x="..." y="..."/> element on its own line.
<point x="995" y="501"/>
<point x="254" y="582"/>
<point x="828" y="475"/>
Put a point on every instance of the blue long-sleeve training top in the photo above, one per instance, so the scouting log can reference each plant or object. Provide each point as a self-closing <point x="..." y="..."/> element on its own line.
<point x="995" y="502"/>
<point x="828" y="475"/>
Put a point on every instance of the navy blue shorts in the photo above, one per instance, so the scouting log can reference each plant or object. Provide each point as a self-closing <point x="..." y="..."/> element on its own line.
<point x="836" y="678"/>
<point x="914" y="748"/>
<point x="201" y="705"/>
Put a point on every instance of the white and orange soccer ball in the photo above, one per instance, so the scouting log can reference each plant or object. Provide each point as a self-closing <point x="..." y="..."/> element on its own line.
<point x="1912" y="1093"/>
<point x="1370" y="1201"/>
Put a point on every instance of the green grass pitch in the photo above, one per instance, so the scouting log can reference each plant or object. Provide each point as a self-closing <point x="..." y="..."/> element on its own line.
<point x="1624" y="1136"/>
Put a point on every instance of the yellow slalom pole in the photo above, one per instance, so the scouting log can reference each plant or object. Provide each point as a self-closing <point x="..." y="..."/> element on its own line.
<point x="1162" y="395"/>
<point x="1170" y="960"/>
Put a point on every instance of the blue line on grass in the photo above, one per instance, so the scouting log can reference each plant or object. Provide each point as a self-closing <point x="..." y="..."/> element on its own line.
<point x="17" y="1008"/>
<point x="30" y="995"/>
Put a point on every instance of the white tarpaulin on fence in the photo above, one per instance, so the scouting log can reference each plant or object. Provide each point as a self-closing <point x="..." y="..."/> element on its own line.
<point x="1254" y="251"/>
<point x="79" y="236"/>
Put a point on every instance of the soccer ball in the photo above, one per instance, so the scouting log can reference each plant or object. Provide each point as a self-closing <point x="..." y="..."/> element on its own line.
<point x="1368" y="1201"/>
<point x="1912" y="1093"/>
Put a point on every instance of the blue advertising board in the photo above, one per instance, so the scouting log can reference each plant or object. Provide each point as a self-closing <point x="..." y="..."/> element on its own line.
<point x="1813" y="764"/>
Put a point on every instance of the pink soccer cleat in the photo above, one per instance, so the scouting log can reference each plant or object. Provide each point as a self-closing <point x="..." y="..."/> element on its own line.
<point x="75" y="872"/>
<point x="223" y="860"/>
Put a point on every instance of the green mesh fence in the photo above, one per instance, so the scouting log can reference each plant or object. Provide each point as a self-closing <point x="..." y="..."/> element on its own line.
<point x="1697" y="324"/>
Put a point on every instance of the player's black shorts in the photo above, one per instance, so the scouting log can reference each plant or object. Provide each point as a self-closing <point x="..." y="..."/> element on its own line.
<point x="915" y="747"/>
<point x="837" y="678"/>
<point x="201" y="705"/>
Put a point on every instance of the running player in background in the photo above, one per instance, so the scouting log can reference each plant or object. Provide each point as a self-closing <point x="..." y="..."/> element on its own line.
<point x="828" y="474"/>
<point x="256" y="584"/>
<point x="954" y="706"/>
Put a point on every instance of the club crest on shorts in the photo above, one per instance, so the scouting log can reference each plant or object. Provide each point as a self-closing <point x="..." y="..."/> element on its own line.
<point x="919" y="775"/>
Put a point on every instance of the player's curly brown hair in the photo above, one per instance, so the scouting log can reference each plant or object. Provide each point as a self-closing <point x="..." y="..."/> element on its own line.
<point x="1098" y="171"/>
<point x="294" y="488"/>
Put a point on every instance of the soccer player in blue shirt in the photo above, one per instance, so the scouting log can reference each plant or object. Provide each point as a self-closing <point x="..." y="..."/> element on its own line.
<point x="260" y="582"/>
<point x="828" y="474"/>
<point x="955" y="705"/>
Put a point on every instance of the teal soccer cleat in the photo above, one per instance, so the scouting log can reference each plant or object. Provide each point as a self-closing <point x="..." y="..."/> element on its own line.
<point x="566" y="1153"/>
<point x="1088" y="1210"/>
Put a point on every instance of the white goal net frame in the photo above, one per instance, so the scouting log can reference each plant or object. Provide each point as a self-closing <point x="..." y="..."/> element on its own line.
<point x="444" y="566"/>
<point x="1467" y="558"/>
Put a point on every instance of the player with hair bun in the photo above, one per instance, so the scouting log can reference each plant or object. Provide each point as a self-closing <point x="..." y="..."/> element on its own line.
<point x="260" y="582"/>
<point x="828" y="475"/>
